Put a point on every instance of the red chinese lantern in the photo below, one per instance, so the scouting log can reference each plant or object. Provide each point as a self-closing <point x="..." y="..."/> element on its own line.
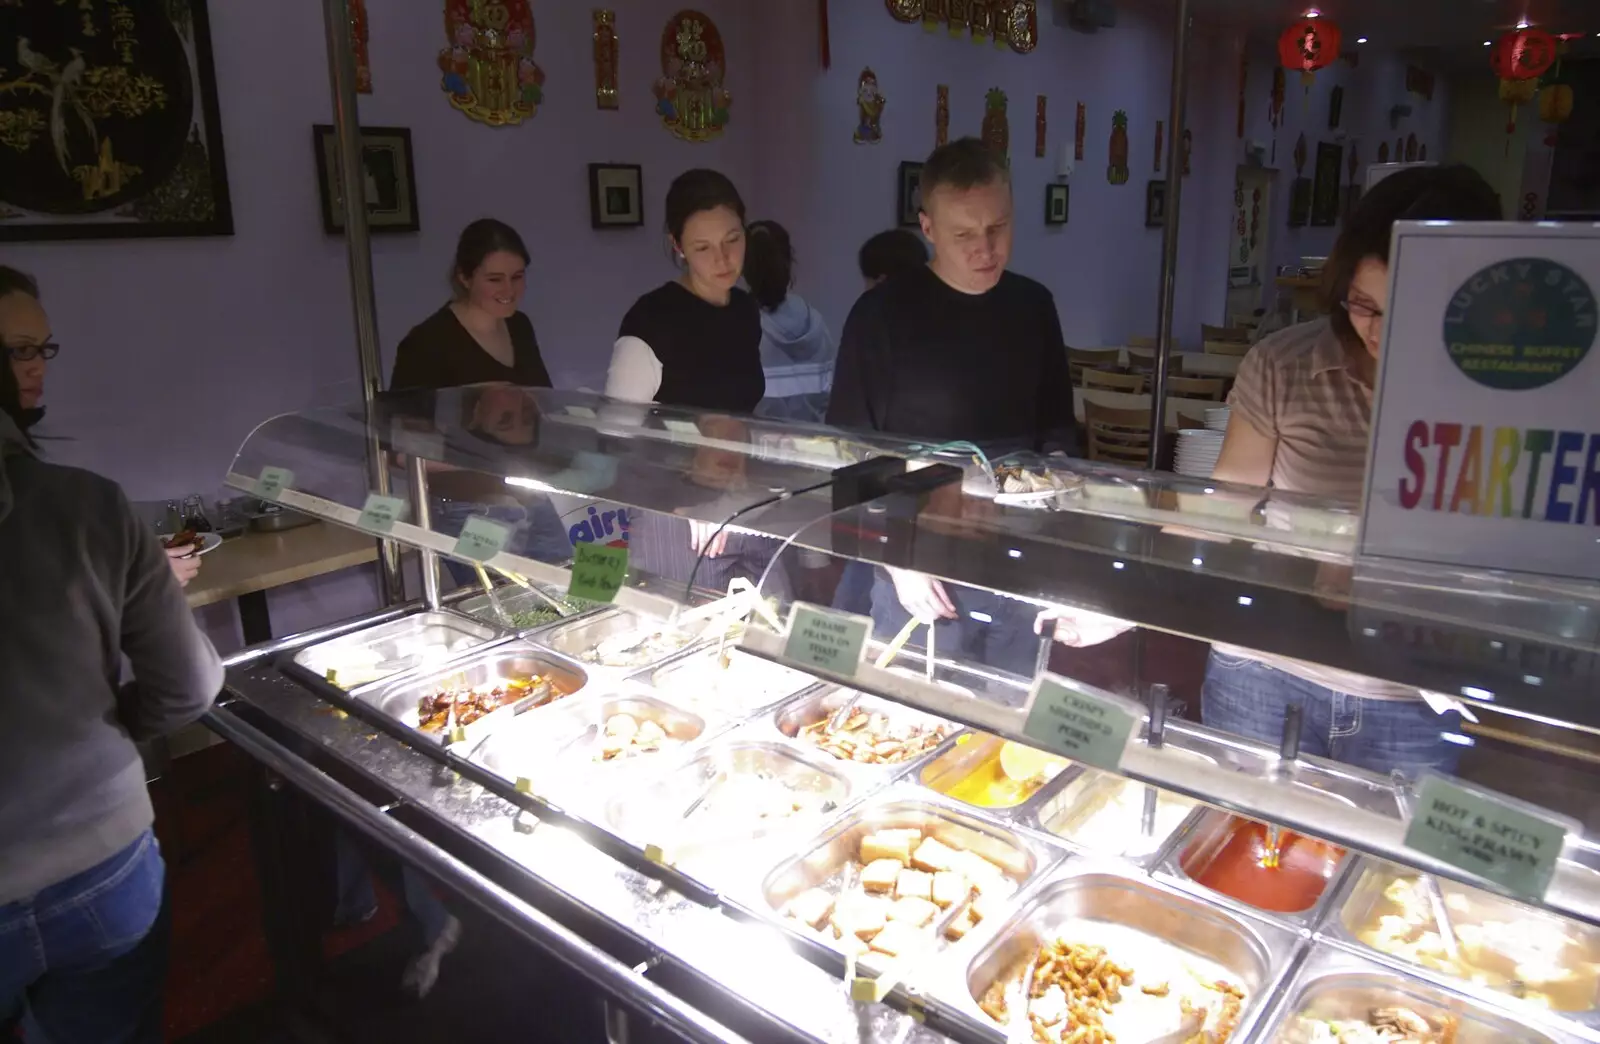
<point x="1308" y="45"/>
<point x="1519" y="58"/>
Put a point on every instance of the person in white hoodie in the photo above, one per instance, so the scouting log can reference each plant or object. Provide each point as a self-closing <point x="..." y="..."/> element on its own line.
<point x="797" y="350"/>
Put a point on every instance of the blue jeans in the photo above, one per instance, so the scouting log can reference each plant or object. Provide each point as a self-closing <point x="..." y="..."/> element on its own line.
<point x="1005" y="641"/>
<point x="356" y="898"/>
<point x="1249" y="698"/>
<point x="854" y="593"/>
<point x="536" y="530"/>
<point x="87" y="957"/>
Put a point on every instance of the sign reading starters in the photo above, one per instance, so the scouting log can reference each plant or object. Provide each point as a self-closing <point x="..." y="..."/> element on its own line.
<point x="1486" y="431"/>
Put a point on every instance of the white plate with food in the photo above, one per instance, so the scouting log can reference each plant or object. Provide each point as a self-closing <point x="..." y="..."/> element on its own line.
<point x="200" y="543"/>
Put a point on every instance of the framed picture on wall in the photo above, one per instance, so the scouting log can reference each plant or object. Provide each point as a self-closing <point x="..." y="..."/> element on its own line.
<point x="1325" y="194"/>
<point x="1057" y="202"/>
<point x="1155" y="204"/>
<point x="389" y="173"/>
<point x="616" y="195"/>
<point x="109" y="125"/>
<point x="1299" y="202"/>
<point x="909" y="196"/>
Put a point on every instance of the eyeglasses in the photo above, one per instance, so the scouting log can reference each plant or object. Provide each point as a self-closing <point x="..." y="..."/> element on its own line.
<point x="29" y="352"/>
<point x="1359" y="310"/>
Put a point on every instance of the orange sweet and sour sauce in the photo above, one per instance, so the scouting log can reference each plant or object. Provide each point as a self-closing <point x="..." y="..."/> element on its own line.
<point x="1237" y="867"/>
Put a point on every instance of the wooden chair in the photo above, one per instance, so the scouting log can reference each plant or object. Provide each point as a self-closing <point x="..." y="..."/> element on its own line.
<point x="1081" y="359"/>
<point x="1141" y="360"/>
<point x="1142" y="342"/>
<point x="1195" y="388"/>
<point x="1186" y="421"/>
<point x="1122" y="382"/>
<point x="1117" y="436"/>
<point x="1227" y="347"/>
<point x="1223" y="333"/>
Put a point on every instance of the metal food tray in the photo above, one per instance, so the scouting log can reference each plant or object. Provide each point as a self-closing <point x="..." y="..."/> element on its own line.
<point x="1208" y="830"/>
<point x="801" y="711"/>
<point x="517" y="659"/>
<point x="651" y="816"/>
<point x="667" y="679"/>
<point x="963" y="756"/>
<point x="580" y="638"/>
<point x="520" y="600"/>
<point x="388" y="643"/>
<point x="1257" y="953"/>
<point x="552" y="749"/>
<point x="821" y="862"/>
<point x="1361" y="895"/>
<point x="1068" y="798"/>
<point x="1334" y="984"/>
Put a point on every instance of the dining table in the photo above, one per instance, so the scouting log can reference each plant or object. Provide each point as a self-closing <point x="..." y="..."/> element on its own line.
<point x="1194" y="408"/>
<point x="1188" y="364"/>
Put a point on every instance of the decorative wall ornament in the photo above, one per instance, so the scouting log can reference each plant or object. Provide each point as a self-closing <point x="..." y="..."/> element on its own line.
<point x="982" y="21"/>
<point x="933" y="13"/>
<point x="360" y="37"/>
<point x="1057" y="201"/>
<point x="941" y="116"/>
<point x="1383" y="152"/>
<point x="1117" y="168"/>
<point x="1399" y="150"/>
<point x="908" y="195"/>
<point x="996" y="125"/>
<point x="616" y="195"/>
<point x="1008" y="23"/>
<point x="1161" y="130"/>
<point x="109" y="125"/>
<point x="1186" y="148"/>
<point x="1275" y="108"/>
<point x="1419" y="81"/>
<point x="1300" y="188"/>
<point x="690" y="97"/>
<point x="1078" y="132"/>
<point x="1307" y="45"/>
<point x="489" y="71"/>
<point x="1411" y="148"/>
<point x="1155" y="204"/>
<point x="904" y="10"/>
<point x="1244" y="76"/>
<point x="1335" y="107"/>
<point x="1519" y="58"/>
<point x="869" y="109"/>
<point x="958" y="16"/>
<point x="1353" y="162"/>
<point x="1021" y="19"/>
<point x="1325" y="194"/>
<point x="1422" y="154"/>
<point x="605" y="59"/>
<point x="1039" y="126"/>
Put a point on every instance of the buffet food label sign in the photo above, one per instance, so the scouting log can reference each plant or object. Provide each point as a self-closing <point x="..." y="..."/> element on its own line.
<point x="827" y="641"/>
<point x="273" y="482"/>
<point x="1089" y="727"/>
<point x="380" y="513"/>
<point x="597" y="571"/>
<point x="1485" y="450"/>
<point x="1495" y="837"/>
<point x="481" y="539"/>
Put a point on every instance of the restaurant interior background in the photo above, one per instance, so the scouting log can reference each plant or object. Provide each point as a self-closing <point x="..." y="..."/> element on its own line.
<point x="177" y="347"/>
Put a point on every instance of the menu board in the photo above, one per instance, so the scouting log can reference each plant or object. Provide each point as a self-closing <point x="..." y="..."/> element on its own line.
<point x="1485" y="448"/>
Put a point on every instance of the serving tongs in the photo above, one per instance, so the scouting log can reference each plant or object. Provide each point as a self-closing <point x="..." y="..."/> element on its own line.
<point x="890" y="651"/>
<point x="561" y="607"/>
<point x="1154" y="738"/>
<point x="494" y="599"/>
<point x="1288" y="754"/>
<point x="1020" y="1031"/>
<point x="1429" y="883"/>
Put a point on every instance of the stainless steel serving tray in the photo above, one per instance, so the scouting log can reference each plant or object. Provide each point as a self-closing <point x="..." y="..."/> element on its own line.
<point x="389" y="648"/>
<point x="520" y="600"/>
<point x="1069" y="802"/>
<point x="812" y="707"/>
<point x="964" y="756"/>
<point x="821" y="862"/>
<point x="1333" y="984"/>
<point x="678" y="679"/>
<point x="721" y="850"/>
<point x="1256" y="953"/>
<point x="1361" y="901"/>
<point x="551" y="752"/>
<point x="580" y="639"/>
<point x="513" y="660"/>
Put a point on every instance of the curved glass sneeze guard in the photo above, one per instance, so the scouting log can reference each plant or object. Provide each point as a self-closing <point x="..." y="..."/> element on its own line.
<point x="1258" y="569"/>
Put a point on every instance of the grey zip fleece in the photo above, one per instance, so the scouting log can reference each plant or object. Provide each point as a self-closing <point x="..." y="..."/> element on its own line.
<point x="83" y="581"/>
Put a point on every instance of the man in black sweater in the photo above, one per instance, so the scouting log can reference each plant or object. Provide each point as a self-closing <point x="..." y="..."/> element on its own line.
<point x="958" y="350"/>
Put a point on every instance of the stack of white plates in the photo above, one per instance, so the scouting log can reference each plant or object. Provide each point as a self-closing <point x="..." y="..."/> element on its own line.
<point x="1217" y="418"/>
<point x="1197" y="452"/>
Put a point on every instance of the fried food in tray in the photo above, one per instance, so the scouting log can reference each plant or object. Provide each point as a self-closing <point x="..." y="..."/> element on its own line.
<point x="627" y="735"/>
<point x="1392" y="1025"/>
<point x="886" y="899"/>
<point x="474" y="702"/>
<point x="1535" y="956"/>
<point x="1109" y="982"/>
<point x="873" y="733"/>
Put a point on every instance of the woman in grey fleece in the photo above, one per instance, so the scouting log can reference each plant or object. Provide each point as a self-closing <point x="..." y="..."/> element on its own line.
<point x="83" y="583"/>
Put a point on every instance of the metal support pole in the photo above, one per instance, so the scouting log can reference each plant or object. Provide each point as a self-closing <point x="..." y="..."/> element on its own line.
<point x="429" y="561"/>
<point x="358" y="248"/>
<point x="1169" y="231"/>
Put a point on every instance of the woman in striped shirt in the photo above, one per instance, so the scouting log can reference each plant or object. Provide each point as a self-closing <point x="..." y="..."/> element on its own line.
<point x="1302" y="410"/>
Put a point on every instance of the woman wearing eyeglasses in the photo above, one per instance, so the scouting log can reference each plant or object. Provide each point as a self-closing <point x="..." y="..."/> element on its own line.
<point x="1302" y="409"/>
<point x="25" y="335"/>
